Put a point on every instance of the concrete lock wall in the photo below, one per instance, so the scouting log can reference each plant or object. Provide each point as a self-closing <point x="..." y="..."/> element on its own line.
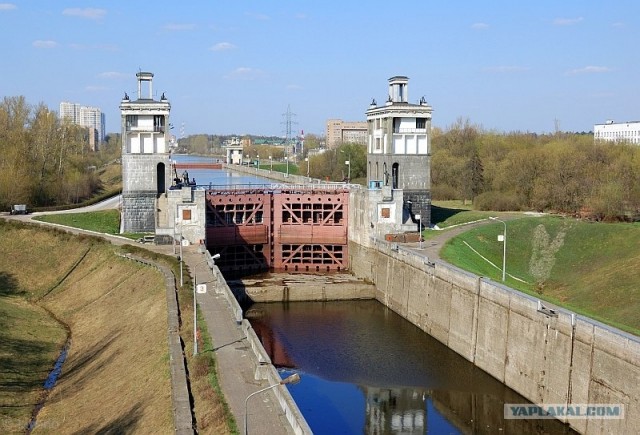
<point x="547" y="357"/>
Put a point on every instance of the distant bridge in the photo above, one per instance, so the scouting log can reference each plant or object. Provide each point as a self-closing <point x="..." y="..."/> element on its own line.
<point x="198" y="165"/>
<point x="280" y="227"/>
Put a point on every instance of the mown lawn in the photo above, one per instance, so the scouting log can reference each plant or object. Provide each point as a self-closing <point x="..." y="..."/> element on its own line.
<point x="107" y="221"/>
<point x="591" y="268"/>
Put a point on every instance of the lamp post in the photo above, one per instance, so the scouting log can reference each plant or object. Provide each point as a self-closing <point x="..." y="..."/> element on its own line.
<point x="287" y="159"/>
<point x="270" y="163"/>
<point x="258" y="167"/>
<point x="248" y="160"/>
<point x="195" y="313"/>
<point x="293" y="379"/>
<point x="419" y="217"/>
<point x="308" y="163"/>
<point x="348" y="163"/>
<point x="177" y="223"/>
<point x="504" y="243"/>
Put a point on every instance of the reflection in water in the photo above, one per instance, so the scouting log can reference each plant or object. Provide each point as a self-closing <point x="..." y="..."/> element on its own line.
<point x="367" y="370"/>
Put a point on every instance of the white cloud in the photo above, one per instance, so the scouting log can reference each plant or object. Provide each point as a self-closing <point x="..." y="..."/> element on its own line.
<point x="7" y="6"/>
<point x="44" y="44"/>
<point x="222" y="46"/>
<point x="567" y="21"/>
<point x="244" y="73"/>
<point x="114" y="75"/>
<point x="90" y="13"/>
<point x="479" y="26"/>
<point x="589" y="70"/>
<point x="505" y="69"/>
<point x="176" y="27"/>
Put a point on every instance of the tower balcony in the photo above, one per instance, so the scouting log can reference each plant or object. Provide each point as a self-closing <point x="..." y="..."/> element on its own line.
<point x="410" y="131"/>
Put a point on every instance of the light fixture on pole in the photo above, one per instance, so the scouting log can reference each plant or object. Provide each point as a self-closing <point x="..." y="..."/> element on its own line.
<point x="308" y="163"/>
<point x="348" y="163"/>
<point x="195" y="312"/>
<point x="248" y="161"/>
<point x="419" y="217"/>
<point x="287" y="159"/>
<point x="198" y="289"/>
<point x="293" y="379"/>
<point x="258" y="167"/>
<point x="177" y="223"/>
<point x="504" y="248"/>
<point x="270" y="163"/>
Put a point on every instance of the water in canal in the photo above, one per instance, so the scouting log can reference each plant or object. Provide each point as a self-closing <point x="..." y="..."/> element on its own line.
<point x="366" y="370"/>
<point x="216" y="177"/>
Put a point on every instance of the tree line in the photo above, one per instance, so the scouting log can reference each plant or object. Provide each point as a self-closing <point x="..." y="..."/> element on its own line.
<point x="45" y="161"/>
<point x="562" y="172"/>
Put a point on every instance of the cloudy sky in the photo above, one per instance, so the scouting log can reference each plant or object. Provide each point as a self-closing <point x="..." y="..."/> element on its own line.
<point x="235" y="67"/>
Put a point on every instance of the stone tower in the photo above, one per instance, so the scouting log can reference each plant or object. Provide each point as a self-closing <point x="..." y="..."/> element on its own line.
<point x="399" y="150"/>
<point x="146" y="166"/>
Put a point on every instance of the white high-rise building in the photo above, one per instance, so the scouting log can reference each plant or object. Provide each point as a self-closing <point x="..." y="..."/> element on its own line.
<point x="85" y="116"/>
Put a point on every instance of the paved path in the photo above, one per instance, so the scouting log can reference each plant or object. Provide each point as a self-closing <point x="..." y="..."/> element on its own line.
<point x="234" y="358"/>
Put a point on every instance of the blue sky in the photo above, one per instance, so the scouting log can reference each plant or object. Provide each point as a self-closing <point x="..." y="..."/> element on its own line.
<point x="234" y="67"/>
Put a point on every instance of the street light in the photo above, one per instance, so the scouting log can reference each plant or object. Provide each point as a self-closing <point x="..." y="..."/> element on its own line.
<point x="308" y="163"/>
<point x="195" y="286"/>
<point x="419" y="217"/>
<point x="293" y="379"/>
<point x="270" y="163"/>
<point x="258" y="167"/>
<point x="504" y="242"/>
<point x="287" y="159"/>
<point x="180" y="242"/>
<point x="348" y="163"/>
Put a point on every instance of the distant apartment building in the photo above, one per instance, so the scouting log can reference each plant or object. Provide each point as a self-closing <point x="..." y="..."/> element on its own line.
<point x="618" y="132"/>
<point x="339" y="131"/>
<point x="85" y="116"/>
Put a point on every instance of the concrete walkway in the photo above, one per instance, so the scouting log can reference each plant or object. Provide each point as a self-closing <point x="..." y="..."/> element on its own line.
<point x="235" y="360"/>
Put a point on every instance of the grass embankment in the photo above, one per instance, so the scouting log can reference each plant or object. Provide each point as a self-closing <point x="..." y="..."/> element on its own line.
<point x="116" y="373"/>
<point x="106" y="221"/>
<point x="116" y="376"/>
<point x="590" y="268"/>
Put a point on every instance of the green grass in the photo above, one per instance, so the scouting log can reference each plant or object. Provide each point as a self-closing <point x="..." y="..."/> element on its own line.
<point x="107" y="221"/>
<point x="281" y="167"/>
<point x="449" y="213"/>
<point x="30" y="341"/>
<point x="593" y="271"/>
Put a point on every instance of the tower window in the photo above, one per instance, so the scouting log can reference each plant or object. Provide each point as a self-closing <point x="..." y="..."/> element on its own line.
<point x="421" y="123"/>
<point x="158" y="123"/>
<point x="132" y="121"/>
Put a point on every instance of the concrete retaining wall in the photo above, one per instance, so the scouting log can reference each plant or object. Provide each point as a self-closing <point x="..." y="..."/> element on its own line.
<point x="182" y="417"/>
<point x="547" y="357"/>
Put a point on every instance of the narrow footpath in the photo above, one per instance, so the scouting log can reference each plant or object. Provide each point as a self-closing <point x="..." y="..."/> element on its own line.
<point x="236" y="363"/>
